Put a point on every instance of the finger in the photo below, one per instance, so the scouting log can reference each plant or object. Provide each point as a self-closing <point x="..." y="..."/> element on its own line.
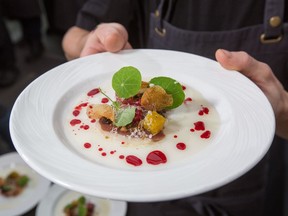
<point x="111" y="37"/>
<point x="239" y="61"/>
<point x="92" y="45"/>
<point x="244" y="63"/>
<point x="128" y="46"/>
<point x="260" y="73"/>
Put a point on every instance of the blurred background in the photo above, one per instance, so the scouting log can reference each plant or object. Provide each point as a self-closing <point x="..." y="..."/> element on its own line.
<point x="34" y="57"/>
<point x="35" y="53"/>
<point x="31" y="48"/>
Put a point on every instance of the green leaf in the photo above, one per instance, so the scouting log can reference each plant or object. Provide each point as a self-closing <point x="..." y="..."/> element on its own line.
<point x="22" y="181"/>
<point x="82" y="200"/>
<point x="125" y="116"/>
<point x="82" y="210"/>
<point x="6" y="188"/>
<point x="172" y="87"/>
<point x="127" y="82"/>
<point x="115" y="104"/>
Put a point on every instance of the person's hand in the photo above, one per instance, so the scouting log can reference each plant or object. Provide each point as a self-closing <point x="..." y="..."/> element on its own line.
<point x="111" y="37"/>
<point x="262" y="75"/>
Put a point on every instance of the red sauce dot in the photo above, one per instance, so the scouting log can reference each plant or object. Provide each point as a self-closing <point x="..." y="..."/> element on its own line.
<point x="183" y="87"/>
<point x="87" y="145"/>
<point x="86" y="127"/>
<point x="122" y="142"/>
<point x="103" y="154"/>
<point x="133" y="160"/>
<point x="199" y="125"/>
<point x="79" y="107"/>
<point x="175" y="136"/>
<point x="76" y="112"/>
<point x="100" y="149"/>
<point x="156" y="157"/>
<point x="205" y="110"/>
<point x="121" y="156"/>
<point x="192" y="130"/>
<point x="105" y="100"/>
<point x="181" y="146"/>
<point x="189" y="99"/>
<point x="112" y="152"/>
<point x="74" y="122"/>
<point x="93" y="121"/>
<point x="206" y="135"/>
<point x="93" y="92"/>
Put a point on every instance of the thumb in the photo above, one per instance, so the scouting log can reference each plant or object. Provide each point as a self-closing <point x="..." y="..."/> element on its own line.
<point x="259" y="72"/>
<point x="111" y="37"/>
<point x="244" y="63"/>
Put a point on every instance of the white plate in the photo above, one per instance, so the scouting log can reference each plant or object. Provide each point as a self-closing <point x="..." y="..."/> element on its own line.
<point x="31" y="195"/>
<point x="245" y="134"/>
<point x="58" y="197"/>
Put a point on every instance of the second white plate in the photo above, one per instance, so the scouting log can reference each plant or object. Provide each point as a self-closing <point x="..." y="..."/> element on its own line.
<point x="58" y="197"/>
<point x="36" y="189"/>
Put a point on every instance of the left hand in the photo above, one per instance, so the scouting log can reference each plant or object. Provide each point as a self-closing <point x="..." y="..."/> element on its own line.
<point x="262" y="75"/>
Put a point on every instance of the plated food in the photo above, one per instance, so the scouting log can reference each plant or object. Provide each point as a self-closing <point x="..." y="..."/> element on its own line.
<point x="80" y="207"/>
<point x="60" y="201"/>
<point x="131" y="121"/>
<point x="21" y="187"/>
<point x="13" y="184"/>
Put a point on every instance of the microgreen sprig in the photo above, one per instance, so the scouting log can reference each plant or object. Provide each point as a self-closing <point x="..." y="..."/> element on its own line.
<point x="124" y="115"/>
<point x="115" y="104"/>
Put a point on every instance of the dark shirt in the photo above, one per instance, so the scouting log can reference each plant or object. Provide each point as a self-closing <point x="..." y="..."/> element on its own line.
<point x="204" y="15"/>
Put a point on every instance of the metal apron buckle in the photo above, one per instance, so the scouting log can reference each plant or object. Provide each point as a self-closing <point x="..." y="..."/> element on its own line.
<point x="266" y="40"/>
<point x="273" y="23"/>
<point x="161" y="32"/>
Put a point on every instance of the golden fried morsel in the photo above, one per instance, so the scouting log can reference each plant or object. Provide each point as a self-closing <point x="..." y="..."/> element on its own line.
<point x="96" y="111"/>
<point x="154" y="122"/>
<point x="144" y="86"/>
<point x="156" y="98"/>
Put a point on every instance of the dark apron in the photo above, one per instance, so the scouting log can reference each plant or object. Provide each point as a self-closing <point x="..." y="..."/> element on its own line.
<point x="249" y="194"/>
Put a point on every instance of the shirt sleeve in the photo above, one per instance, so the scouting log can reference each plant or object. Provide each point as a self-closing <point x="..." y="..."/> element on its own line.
<point x="94" y="12"/>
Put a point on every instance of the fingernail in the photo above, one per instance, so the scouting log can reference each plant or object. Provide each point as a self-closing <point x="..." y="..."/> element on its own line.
<point x="226" y="53"/>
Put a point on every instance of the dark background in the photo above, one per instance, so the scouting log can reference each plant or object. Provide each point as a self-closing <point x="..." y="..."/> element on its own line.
<point x="53" y="30"/>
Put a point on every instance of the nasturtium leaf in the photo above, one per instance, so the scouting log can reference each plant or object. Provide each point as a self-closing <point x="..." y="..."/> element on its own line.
<point x="127" y="82"/>
<point x="125" y="116"/>
<point x="172" y="87"/>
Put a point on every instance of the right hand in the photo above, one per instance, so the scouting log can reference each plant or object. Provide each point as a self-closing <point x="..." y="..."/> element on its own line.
<point x="111" y="37"/>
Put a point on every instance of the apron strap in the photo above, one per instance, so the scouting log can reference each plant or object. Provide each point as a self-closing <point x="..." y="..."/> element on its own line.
<point x="273" y="21"/>
<point x="159" y="14"/>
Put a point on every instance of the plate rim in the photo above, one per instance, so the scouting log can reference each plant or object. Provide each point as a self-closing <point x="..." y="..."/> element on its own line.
<point x="149" y="197"/>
